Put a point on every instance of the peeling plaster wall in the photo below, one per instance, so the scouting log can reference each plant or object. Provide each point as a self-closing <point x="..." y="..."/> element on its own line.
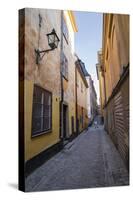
<point x="46" y="74"/>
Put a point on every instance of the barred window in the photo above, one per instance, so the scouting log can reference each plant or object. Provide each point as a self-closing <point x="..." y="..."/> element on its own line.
<point x="42" y="111"/>
<point x="65" y="67"/>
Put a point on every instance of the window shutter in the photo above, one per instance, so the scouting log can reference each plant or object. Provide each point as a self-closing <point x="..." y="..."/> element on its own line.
<point x="47" y="111"/>
<point x="65" y="67"/>
<point x="65" y="30"/>
<point x="42" y="108"/>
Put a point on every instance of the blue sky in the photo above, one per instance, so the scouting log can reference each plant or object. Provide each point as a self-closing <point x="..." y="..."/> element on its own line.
<point x="88" y="40"/>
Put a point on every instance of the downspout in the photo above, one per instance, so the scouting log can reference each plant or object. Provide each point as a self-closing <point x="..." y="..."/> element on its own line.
<point x="61" y="78"/>
<point x="104" y="113"/>
<point x="103" y="52"/>
<point x="103" y="49"/>
<point x="76" y="100"/>
<point x="104" y="86"/>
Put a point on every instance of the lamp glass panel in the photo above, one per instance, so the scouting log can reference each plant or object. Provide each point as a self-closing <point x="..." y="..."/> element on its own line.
<point x="51" y="38"/>
<point x="56" y="43"/>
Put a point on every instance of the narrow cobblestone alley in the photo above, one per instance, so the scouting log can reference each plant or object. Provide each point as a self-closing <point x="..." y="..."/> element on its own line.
<point x="90" y="160"/>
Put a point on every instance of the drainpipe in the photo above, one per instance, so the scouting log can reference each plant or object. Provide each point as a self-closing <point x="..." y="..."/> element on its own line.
<point x="76" y="100"/>
<point x="105" y="97"/>
<point x="61" y="78"/>
<point x="104" y="86"/>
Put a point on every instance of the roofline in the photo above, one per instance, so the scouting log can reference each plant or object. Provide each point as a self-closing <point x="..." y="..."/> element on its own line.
<point x="82" y="74"/>
<point x="72" y="19"/>
<point x="88" y="75"/>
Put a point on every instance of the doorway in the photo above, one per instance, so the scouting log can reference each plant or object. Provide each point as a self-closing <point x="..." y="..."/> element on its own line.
<point x="65" y="121"/>
<point x="82" y="117"/>
<point x="72" y="125"/>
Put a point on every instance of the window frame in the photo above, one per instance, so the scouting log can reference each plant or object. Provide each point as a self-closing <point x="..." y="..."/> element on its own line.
<point x="64" y="70"/>
<point x="107" y="54"/>
<point x="42" y="132"/>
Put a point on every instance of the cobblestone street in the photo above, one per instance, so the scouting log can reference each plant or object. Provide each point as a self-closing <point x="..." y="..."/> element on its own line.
<point x="90" y="160"/>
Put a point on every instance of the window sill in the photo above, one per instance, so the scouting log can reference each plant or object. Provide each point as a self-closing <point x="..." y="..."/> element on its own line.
<point x="41" y="133"/>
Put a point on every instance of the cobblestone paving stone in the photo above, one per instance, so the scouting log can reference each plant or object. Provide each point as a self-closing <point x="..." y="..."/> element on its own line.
<point x="90" y="160"/>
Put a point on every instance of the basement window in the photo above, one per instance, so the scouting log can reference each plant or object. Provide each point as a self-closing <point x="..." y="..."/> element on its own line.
<point x="42" y="111"/>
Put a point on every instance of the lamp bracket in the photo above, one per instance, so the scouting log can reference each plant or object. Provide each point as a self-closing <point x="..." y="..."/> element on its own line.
<point x="39" y="52"/>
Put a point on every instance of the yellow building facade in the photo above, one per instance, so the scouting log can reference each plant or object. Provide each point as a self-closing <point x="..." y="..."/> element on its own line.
<point x="113" y="73"/>
<point x="100" y="76"/>
<point x="47" y="82"/>
<point x="81" y="97"/>
<point x="68" y="116"/>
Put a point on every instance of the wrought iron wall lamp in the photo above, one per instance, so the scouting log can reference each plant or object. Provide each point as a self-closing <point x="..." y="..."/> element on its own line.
<point x="53" y="42"/>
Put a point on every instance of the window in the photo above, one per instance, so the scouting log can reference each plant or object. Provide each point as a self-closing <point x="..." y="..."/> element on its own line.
<point x="65" y="67"/>
<point x="113" y="34"/>
<point x="65" y="30"/>
<point x="110" y="24"/>
<point x="107" y="55"/>
<point x="81" y="87"/>
<point x="42" y="111"/>
<point x="78" y="83"/>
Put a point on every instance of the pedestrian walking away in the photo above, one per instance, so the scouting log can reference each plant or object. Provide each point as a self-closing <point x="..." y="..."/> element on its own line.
<point x="95" y="124"/>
